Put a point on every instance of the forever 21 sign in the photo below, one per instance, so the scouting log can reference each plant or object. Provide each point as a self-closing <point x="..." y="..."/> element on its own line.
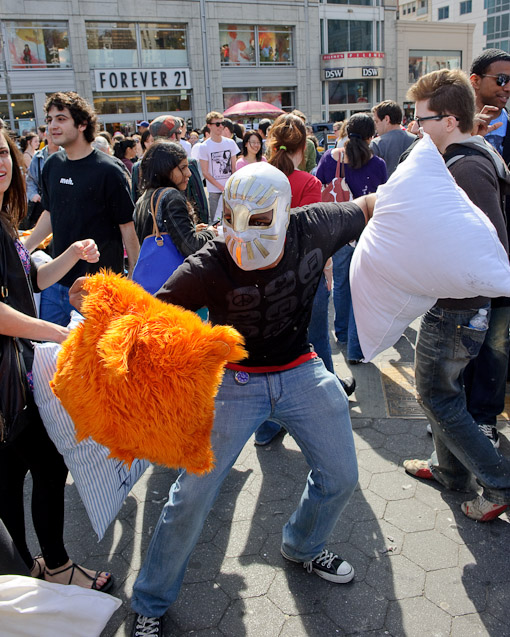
<point x="141" y="79"/>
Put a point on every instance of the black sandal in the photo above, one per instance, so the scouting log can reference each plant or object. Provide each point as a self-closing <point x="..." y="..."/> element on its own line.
<point x="38" y="567"/>
<point x="104" y="588"/>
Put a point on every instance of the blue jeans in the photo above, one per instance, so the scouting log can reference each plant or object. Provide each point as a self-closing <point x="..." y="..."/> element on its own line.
<point x="55" y="306"/>
<point x="345" y="325"/>
<point x="311" y="404"/>
<point x="485" y="376"/>
<point x="318" y="334"/>
<point x="444" y="348"/>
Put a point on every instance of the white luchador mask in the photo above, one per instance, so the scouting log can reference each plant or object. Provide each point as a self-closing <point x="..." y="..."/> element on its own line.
<point x="256" y="189"/>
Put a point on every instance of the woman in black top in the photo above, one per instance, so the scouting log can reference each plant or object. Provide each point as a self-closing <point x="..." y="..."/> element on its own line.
<point x="165" y="166"/>
<point x="32" y="450"/>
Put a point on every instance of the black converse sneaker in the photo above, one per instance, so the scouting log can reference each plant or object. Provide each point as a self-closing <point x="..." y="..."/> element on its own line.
<point x="147" y="626"/>
<point x="328" y="566"/>
<point x="492" y="434"/>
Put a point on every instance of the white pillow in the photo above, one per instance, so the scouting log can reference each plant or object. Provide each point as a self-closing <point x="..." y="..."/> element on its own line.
<point x="426" y="241"/>
<point x="102" y="482"/>
<point x="30" y="606"/>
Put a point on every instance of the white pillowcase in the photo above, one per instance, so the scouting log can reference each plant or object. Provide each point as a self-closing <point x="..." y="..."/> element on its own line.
<point x="426" y="241"/>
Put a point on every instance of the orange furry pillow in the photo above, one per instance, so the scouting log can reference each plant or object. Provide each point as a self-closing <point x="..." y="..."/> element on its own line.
<point x="140" y="375"/>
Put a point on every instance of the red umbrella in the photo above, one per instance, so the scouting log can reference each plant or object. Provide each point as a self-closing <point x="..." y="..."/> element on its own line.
<point x="253" y="109"/>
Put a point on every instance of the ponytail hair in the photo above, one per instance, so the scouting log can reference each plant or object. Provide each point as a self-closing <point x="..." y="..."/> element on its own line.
<point x="286" y="137"/>
<point x="360" y="128"/>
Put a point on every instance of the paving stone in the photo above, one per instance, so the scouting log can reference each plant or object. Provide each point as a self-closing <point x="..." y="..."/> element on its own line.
<point x="251" y="618"/>
<point x="374" y="462"/>
<point x="255" y="574"/>
<point x="455" y="592"/>
<point x="368" y="438"/>
<point x="208" y="597"/>
<point x="431" y="493"/>
<point x="240" y="538"/>
<point x="460" y="529"/>
<point x="316" y="625"/>
<point x="396" y="577"/>
<point x="391" y="426"/>
<point x="430" y="550"/>
<point x="391" y="486"/>
<point x="364" y="478"/>
<point x="485" y="562"/>
<point x="483" y="625"/>
<point x="296" y="592"/>
<point x="204" y="564"/>
<point x="235" y="506"/>
<point x="498" y="602"/>
<point x="271" y="516"/>
<point x="377" y="538"/>
<point x="410" y="515"/>
<point x="348" y="608"/>
<point x="364" y="506"/>
<point x="417" y="617"/>
<point x="406" y="445"/>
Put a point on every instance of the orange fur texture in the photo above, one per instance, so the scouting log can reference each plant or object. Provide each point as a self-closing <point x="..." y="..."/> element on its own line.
<point x="140" y="375"/>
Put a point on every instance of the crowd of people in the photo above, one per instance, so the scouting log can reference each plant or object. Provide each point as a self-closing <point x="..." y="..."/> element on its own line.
<point x="224" y="196"/>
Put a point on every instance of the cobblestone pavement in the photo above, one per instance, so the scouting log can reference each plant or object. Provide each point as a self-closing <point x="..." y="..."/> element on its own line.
<point x="422" y="568"/>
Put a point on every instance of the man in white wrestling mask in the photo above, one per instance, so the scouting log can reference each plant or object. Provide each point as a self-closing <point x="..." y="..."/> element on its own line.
<point x="256" y="214"/>
<point x="261" y="278"/>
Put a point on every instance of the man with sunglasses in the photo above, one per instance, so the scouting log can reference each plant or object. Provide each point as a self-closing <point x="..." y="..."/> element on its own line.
<point x="486" y="376"/>
<point x="217" y="161"/>
<point x="445" y="109"/>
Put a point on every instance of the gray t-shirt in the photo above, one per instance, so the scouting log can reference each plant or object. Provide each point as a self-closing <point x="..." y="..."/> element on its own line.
<point x="390" y="146"/>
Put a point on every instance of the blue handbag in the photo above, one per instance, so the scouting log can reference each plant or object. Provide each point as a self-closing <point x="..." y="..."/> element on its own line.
<point x="158" y="256"/>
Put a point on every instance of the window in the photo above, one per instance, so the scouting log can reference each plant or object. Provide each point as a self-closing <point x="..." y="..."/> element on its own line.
<point x="22" y="110"/>
<point x="112" y="45"/>
<point x="283" y="97"/>
<point x="163" y="45"/>
<point x="496" y="6"/>
<point x="169" y="102"/>
<point x="423" y="8"/>
<point x="466" y="7"/>
<point x="423" y="62"/>
<point x="274" y="45"/>
<point x="359" y="2"/>
<point x="126" y="45"/>
<point x="348" y="92"/>
<point x="38" y="45"/>
<point x="349" y="35"/>
<point x="498" y="27"/>
<point x="117" y="103"/>
<point x="443" y="13"/>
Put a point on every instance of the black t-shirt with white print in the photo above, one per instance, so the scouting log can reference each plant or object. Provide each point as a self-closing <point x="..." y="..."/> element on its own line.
<point x="270" y="308"/>
<point x="88" y="199"/>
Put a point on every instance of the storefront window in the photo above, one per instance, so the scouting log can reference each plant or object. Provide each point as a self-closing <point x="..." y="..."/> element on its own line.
<point x="282" y="97"/>
<point x="23" y="112"/>
<point x="275" y="45"/>
<point x="237" y="45"/>
<point x="117" y="103"/>
<point x="349" y="92"/>
<point x="423" y="62"/>
<point x="349" y="35"/>
<point x="112" y="45"/>
<point x="233" y="96"/>
<point x="38" y="45"/>
<point x="169" y="102"/>
<point x="163" y="45"/>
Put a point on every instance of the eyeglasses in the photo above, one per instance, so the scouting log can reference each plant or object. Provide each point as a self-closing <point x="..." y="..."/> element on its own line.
<point x="418" y="120"/>
<point x="502" y="79"/>
<point x="254" y="142"/>
<point x="218" y="124"/>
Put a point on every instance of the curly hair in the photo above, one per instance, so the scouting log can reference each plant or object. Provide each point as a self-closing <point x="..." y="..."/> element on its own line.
<point x="81" y="111"/>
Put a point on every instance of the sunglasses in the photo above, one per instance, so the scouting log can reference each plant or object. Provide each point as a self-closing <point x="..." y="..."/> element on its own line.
<point x="502" y="79"/>
<point x="418" y="120"/>
<point x="218" y="124"/>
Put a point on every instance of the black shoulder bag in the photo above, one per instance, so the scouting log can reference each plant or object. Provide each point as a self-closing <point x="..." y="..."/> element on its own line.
<point x="14" y="388"/>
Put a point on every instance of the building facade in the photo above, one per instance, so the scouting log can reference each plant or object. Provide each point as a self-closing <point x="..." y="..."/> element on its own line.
<point x="135" y="61"/>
